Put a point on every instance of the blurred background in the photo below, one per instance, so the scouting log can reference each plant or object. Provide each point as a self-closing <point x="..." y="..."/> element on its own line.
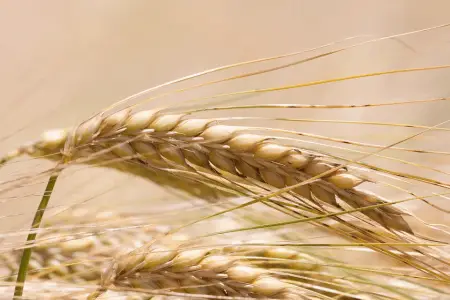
<point x="62" y="61"/>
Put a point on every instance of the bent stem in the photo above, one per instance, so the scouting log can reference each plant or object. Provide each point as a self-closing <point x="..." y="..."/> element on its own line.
<point x="24" y="261"/>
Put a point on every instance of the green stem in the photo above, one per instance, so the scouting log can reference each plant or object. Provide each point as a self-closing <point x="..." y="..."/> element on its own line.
<point x="24" y="261"/>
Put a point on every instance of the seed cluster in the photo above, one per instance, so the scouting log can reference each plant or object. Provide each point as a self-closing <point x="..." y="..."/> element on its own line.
<point x="235" y="271"/>
<point x="202" y="157"/>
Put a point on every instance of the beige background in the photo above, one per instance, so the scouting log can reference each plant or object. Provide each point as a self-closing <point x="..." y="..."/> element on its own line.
<point x="61" y="61"/>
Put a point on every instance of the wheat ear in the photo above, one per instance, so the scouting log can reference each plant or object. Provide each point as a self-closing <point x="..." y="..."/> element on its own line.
<point x="186" y="153"/>
<point x="231" y="271"/>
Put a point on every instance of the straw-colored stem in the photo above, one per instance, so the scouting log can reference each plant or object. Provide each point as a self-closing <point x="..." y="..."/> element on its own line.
<point x="23" y="268"/>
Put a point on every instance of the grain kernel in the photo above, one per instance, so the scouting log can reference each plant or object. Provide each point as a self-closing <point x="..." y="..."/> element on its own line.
<point x="245" y="274"/>
<point x="165" y="122"/>
<point x="139" y="120"/>
<point x="52" y="139"/>
<point x="271" y="151"/>
<point x="345" y="180"/>
<point x="245" y="142"/>
<point x="192" y="127"/>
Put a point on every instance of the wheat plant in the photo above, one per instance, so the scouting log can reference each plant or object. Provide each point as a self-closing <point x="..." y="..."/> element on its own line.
<point x="286" y="187"/>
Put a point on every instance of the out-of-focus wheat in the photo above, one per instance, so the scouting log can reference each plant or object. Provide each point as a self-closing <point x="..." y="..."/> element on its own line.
<point x="76" y="246"/>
